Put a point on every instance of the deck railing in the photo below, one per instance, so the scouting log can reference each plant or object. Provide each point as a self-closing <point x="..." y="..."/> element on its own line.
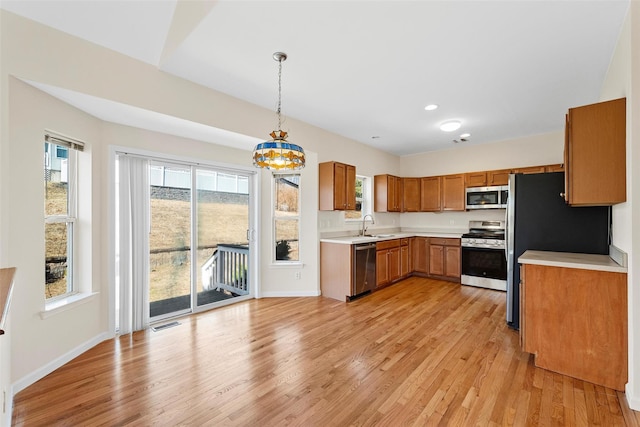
<point x="227" y="269"/>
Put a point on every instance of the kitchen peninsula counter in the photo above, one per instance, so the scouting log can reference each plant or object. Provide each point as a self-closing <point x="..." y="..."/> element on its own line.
<point x="572" y="260"/>
<point x="573" y="315"/>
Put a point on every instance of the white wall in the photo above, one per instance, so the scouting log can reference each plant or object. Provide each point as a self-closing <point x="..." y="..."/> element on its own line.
<point x="623" y="80"/>
<point x="49" y="338"/>
<point x="33" y="52"/>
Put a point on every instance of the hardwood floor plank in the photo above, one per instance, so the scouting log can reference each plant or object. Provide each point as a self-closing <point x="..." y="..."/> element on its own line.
<point x="419" y="352"/>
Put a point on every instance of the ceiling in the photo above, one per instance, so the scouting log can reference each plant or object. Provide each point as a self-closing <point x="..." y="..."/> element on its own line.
<point x="366" y="69"/>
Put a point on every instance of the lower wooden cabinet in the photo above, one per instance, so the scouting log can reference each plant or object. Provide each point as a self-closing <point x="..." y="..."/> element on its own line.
<point x="392" y="261"/>
<point x="444" y="258"/>
<point x="575" y="322"/>
<point x="421" y="255"/>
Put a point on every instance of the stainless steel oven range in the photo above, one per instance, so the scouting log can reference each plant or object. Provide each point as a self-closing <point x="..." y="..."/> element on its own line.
<point x="484" y="261"/>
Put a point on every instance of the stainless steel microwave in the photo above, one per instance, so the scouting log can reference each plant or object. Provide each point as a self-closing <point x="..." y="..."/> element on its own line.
<point x="494" y="197"/>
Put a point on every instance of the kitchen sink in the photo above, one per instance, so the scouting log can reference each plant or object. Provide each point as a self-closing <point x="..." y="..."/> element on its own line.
<point x="383" y="235"/>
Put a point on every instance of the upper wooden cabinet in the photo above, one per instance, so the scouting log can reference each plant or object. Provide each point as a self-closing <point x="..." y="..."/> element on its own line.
<point x="410" y="194"/>
<point x="387" y="193"/>
<point x="442" y="193"/>
<point x="337" y="186"/>
<point x="554" y="168"/>
<point x="498" y="177"/>
<point x="595" y="154"/>
<point x="453" y="193"/>
<point x="430" y="194"/>
<point x="476" y="179"/>
<point x="530" y="169"/>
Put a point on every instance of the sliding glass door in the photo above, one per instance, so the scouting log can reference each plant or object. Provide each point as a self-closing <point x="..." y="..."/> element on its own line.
<point x="222" y="224"/>
<point x="198" y="245"/>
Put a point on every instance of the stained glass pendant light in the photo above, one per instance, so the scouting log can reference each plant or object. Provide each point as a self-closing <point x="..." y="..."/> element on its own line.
<point x="278" y="154"/>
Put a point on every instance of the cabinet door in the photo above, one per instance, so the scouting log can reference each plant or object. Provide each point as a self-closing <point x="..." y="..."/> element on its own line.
<point x="404" y="261"/>
<point x="498" y="177"/>
<point x="453" y="193"/>
<point x="410" y="194"/>
<point x="436" y="260"/>
<point x="430" y="194"/>
<point x="394" y="264"/>
<point x="350" y="187"/>
<point x="395" y="194"/>
<point x="421" y="255"/>
<point x="340" y="182"/>
<point x="596" y="147"/>
<point x="452" y="261"/>
<point x="387" y="193"/>
<point x="476" y="179"/>
<point x="531" y="169"/>
<point x="554" y="168"/>
<point x="382" y="268"/>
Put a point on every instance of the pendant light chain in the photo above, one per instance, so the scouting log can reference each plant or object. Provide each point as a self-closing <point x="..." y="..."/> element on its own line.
<point x="279" y="92"/>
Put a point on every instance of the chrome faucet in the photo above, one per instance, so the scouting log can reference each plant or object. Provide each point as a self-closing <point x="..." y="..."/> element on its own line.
<point x="364" y="218"/>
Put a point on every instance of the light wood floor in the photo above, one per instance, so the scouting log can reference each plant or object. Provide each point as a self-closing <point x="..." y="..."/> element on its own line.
<point x="421" y="352"/>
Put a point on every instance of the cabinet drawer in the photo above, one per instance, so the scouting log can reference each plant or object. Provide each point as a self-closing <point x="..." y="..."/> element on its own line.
<point x="388" y="244"/>
<point x="444" y="241"/>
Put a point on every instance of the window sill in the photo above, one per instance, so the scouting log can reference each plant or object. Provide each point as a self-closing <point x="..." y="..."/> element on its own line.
<point x="64" y="304"/>
<point x="292" y="264"/>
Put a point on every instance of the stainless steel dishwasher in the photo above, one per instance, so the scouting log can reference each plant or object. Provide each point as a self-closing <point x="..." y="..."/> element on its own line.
<point x="364" y="268"/>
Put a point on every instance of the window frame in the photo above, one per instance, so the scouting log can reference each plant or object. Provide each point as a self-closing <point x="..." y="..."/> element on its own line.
<point x="365" y="202"/>
<point x="274" y="217"/>
<point x="70" y="219"/>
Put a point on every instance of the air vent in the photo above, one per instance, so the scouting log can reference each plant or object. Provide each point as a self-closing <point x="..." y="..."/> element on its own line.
<point x="165" y="326"/>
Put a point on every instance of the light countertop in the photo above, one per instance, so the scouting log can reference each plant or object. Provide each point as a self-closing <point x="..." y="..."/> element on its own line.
<point x="572" y="260"/>
<point x="351" y="240"/>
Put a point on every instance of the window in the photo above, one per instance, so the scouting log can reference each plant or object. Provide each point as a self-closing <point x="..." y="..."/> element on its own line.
<point x="286" y="217"/>
<point x="60" y="212"/>
<point x="362" y="198"/>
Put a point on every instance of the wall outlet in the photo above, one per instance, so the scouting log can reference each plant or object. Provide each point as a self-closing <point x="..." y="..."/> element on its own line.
<point x="298" y="275"/>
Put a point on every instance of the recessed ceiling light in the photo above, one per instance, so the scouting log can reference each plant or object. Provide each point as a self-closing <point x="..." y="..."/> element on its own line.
<point x="450" y="126"/>
<point x="465" y="135"/>
<point x="431" y="107"/>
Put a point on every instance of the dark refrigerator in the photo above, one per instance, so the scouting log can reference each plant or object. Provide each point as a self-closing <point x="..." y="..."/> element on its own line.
<point x="538" y="218"/>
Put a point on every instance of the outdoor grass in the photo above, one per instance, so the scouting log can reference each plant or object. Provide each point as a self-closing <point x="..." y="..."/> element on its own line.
<point x="170" y="274"/>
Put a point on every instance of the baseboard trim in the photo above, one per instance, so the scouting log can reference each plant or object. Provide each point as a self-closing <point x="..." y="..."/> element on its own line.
<point x="632" y="400"/>
<point x="285" y="294"/>
<point x="45" y="370"/>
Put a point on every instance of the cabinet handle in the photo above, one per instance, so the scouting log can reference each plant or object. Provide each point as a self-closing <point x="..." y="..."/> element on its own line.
<point x="562" y="195"/>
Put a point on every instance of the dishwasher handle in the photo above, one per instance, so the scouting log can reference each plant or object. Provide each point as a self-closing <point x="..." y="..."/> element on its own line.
<point x="363" y="247"/>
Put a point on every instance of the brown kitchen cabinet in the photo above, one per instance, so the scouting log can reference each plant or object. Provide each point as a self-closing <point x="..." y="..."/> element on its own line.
<point x="595" y="154"/>
<point x="498" y="177"/>
<point x="405" y="258"/>
<point x="421" y="255"/>
<point x="530" y="169"/>
<point x="337" y="186"/>
<point x="575" y="322"/>
<point x="442" y="193"/>
<point x="430" y="194"/>
<point x="554" y="168"/>
<point x="387" y="193"/>
<point x="453" y="193"/>
<point x="388" y="262"/>
<point x="476" y="179"/>
<point x="444" y="258"/>
<point x="410" y="194"/>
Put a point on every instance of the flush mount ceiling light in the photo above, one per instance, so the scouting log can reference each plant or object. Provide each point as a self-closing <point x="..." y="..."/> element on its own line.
<point x="465" y="135"/>
<point x="450" y="125"/>
<point x="278" y="154"/>
<point x="431" y="107"/>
